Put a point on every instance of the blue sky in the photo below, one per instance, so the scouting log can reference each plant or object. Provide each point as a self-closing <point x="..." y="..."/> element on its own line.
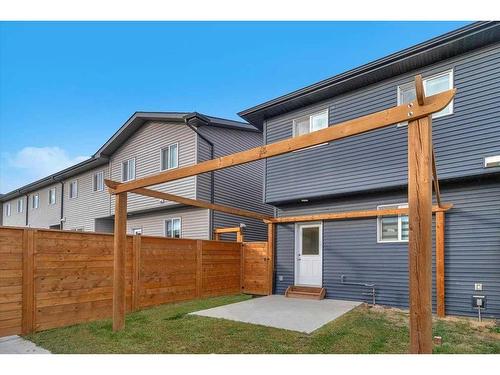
<point x="66" y="87"/>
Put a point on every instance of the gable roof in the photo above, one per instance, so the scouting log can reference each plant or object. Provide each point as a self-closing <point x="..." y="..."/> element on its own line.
<point x="456" y="42"/>
<point x="135" y="121"/>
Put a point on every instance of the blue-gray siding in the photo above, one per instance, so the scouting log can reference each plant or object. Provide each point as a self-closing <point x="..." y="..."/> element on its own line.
<point x="472" y="248"/>
<point x="239" y="186"/>
<point x="379" y="159"/>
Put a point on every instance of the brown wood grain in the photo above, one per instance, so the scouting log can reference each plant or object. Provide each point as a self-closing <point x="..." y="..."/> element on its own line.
<point x="120" y="239"/>
<point x="420" y="234"/>
<point x="440" y="262"/>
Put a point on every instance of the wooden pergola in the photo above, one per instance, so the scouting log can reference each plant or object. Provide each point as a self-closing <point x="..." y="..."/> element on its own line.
<point x="422" y="175"/>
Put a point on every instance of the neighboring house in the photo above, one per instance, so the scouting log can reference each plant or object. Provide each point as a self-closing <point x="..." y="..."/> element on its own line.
<point x="369" y="171"/>
<point x="77" y="199"/>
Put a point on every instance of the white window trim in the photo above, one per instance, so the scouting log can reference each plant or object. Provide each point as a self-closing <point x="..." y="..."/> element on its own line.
<point x="69" y="190"/>
<point x="137" y="229"/>
<point x="298" y="226"/>
<point x="379" y="224"/>
<point x="78" y="229"/>
<point x="37" y="201"/>
<point x="411" y="84"/>
<point x="94" y="187"/>
<point x="165" y="226"/>
<point x="327" y="110"/>
<point x="8" y="210"/>
<point x="161" y="156"/>
<point x="20" y="211"/>
<point x="55" y="196"/>
<point x="135" y="169"/>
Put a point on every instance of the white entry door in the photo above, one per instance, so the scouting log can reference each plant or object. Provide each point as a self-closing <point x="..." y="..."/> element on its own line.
<point x="309" y="254"/>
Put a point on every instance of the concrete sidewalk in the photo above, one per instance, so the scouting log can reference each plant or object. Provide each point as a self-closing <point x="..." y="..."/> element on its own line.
<point x="294" y="314"/>
<point x="18" y="345"/>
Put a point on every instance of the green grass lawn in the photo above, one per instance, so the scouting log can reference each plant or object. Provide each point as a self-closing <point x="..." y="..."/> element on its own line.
<point x="168" y="329"/>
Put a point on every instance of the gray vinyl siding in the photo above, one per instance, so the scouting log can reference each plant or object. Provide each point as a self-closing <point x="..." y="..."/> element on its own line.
<point x="145" y="146"/>
<point x="379" y="159"/>
<point x="45" y="215"/>
<point x="194" y="222"/>
<point x="472" y="248"/>
<point x="81" y="212"/>
<point x="15" y="219"/>
<point x="240" y="186"/>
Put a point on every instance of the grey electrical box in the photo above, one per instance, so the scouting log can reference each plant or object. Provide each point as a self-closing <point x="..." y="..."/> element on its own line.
<point x="479" y="302"/>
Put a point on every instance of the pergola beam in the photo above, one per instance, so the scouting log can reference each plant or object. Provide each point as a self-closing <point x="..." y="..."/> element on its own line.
<point x="405" y="112"/>
<point x="191" y="202"/>
<point x="352" y="214"/>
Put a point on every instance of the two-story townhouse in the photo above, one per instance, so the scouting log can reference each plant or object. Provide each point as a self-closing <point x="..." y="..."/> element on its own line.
<point x="369" y="172"/>
<point x="77" y="199"/>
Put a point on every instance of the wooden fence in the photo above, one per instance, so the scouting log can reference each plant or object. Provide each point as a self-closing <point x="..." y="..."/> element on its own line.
<point x="51" y="278"/>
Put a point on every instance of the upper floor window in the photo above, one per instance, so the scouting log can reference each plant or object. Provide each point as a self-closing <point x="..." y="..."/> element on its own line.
<point x="173" y="228"/>
<point x="7" y="209"/>
<point x="432" y="85"/>
<point x="20" y="204"/>
<point x="98" y="181"/>
<point x="73" y="189"/>
<point x="311" y="123"/>
<point x="392" y="228"/>
<point x="128" y="170"/>
<point x="170" y="157"/>
<point x="52" y="196"/>
<point x="35" y="201"/>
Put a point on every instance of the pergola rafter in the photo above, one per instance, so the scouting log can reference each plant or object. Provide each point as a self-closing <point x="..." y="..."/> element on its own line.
<point x="422" y="175"/>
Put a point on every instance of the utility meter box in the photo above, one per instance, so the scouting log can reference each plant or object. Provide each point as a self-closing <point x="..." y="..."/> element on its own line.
<point x="479" y="302"/>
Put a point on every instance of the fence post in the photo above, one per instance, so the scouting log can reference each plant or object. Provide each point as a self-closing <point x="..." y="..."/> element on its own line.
<point x="28" y="299"/>
<point x="199" y="268"/>
<point x="120" y="245"/>
<point x="242" y="267"/>
<point x="136" y="271"/>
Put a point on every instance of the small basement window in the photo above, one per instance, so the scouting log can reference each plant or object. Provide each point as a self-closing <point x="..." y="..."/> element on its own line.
<point x="173" y="228"/>
<point x="392" y="228"/>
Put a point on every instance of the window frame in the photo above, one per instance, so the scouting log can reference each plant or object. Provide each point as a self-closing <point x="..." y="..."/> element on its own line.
<point x="20" y="210"/>
<point x="8" y="210"/>
<point x="134" y="230"/>
<point x="294" y="121"/>
<point x="168" y="155"/>
<point x="172" y="220"/>
<point x="95" y="188"/>
<point x="37" y="200"/>
<point x="135" y="169"/>
<point x="379" y="223"/>
<point x="69" y="190"/>
<point x="403" y="86"/>
<point x="55" y="196"/>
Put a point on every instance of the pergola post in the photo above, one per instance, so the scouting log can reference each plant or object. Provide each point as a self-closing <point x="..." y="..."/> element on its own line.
<point x="120" y="245"/>
<point x="420" y="235"/>
<point x="440" y="288"/>
<point x="271" y="228"/>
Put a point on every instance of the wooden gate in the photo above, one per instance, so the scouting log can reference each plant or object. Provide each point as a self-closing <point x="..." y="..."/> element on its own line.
<point x="256" y="268"/>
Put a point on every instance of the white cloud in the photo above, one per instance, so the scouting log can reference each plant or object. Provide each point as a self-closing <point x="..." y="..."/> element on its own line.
<point x="32" y="163"/>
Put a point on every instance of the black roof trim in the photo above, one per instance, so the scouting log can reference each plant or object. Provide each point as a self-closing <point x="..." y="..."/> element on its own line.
<point x="456" y="42"/>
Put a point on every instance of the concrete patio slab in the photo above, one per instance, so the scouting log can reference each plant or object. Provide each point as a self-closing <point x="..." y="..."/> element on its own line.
<point x="18" y="345"/>
<point x="294" y="314"/>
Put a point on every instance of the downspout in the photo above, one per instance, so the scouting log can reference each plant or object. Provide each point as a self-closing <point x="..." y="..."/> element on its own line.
<point x="27" y="208"/>
<point x="212" y="178"/>
<point x="61" y="221"/>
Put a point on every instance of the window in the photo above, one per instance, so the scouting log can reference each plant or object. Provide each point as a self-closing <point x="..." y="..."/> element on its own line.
<point x="392" y="228"/>
<point x="170" y="157"/>
<point x="7" y="209"/>
<point x="52" y="196"/>
<point x="78" y="229"/>
<point x="73" y="189"/>
<point x="312" y="123"/>
<point x="173" y="228"/>
<point x="128" y="170"/>
<point x="137" y="230"/>
<point x="98" y="181"/>
<point x="20" y="204"/>
<point x="35" y="201"/>
<point x="432" y="85"/>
